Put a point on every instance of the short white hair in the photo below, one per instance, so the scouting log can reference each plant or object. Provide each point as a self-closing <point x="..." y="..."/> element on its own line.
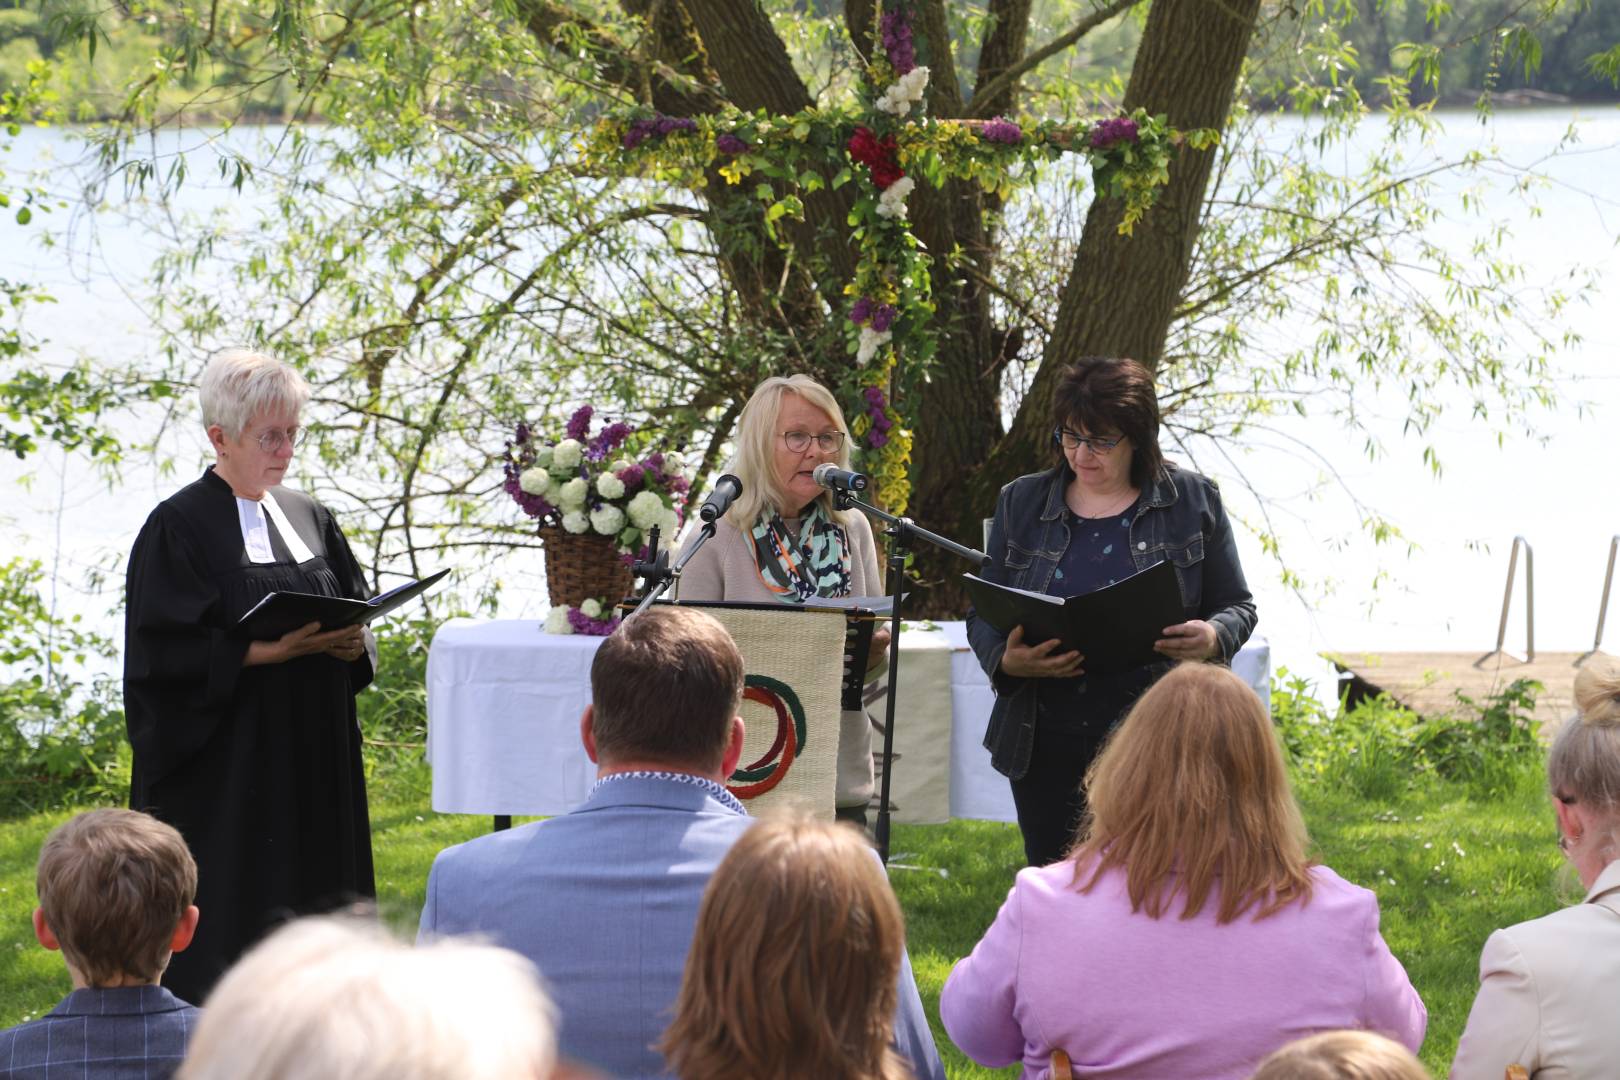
<point x="755" y="459"/>
<point x="239" y="384"/>
<point x="339" y="997"/>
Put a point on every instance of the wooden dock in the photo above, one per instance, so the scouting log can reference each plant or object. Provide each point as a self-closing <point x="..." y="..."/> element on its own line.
<point x="1428" y="682"/>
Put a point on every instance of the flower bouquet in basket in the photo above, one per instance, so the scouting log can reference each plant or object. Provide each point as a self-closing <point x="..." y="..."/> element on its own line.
<point x="595" y="497"/>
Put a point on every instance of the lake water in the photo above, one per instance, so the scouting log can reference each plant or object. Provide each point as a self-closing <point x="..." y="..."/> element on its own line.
<point x="1445" y="594"/>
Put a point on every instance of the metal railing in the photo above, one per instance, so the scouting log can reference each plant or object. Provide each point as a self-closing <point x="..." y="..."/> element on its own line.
<point x="1529" y="603"/>
<point x="1603" y="605"/>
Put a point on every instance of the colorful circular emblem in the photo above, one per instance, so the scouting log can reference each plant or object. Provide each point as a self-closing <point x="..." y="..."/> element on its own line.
<point x="761" y="776"/>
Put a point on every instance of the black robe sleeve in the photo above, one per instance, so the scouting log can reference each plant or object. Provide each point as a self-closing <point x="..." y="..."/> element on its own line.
<point x="180" y="667"/>
<point x="352" y="579"/>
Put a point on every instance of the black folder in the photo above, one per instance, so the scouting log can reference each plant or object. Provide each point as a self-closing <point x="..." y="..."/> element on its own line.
<point x="1114" y="628"/>
<point x="281" y="612"/>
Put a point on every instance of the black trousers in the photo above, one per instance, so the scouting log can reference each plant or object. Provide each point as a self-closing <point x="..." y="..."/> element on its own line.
<point x="1048" y="797"/>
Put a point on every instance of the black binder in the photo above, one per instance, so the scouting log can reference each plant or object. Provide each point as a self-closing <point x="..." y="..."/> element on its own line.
<point x="1114" y="628"/>
<point x="281" y="612"/>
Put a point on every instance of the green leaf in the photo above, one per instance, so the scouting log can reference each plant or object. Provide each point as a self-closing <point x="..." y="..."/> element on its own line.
<point x="24" y="215"/>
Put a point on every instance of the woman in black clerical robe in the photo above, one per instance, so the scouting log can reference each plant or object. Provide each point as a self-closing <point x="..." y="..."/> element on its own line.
<point x="250" y="749"/>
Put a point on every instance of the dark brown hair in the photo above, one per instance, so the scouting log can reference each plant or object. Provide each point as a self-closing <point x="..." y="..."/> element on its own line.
<point x="666" y="686"/>
<point x="113" y="886"/>
<point x="1099" y="394"/>
<point x="1191" y="796"/>
<point x="794" y="962"/>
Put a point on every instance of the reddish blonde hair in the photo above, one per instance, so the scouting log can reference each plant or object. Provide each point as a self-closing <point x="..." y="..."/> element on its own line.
<point x="794" y="962"/>
<point x="1190" y="796"/>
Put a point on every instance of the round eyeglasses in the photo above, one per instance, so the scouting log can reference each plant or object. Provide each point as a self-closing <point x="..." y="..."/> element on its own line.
<point x="275" y="439"/>
<point x="1073" y="440"/>
<point x="828" y="442"/>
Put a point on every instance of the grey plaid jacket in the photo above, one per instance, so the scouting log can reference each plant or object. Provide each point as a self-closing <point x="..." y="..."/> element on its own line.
<point x="110" y="1034"/>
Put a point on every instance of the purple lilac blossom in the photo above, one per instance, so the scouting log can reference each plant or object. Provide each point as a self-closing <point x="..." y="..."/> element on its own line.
<point x="609" y="440"/>
<point x="533" y="505"/>
<point x="522" y="433"/>
<point x="896" y="34"/>
<point x="874" y="396"/>
<point x="584" y="624"/>
<point x="883" y="317"/>
<point x="860" y="311"/>
<point x="730" y="144"/>
<point x="580" y="423"/>
<point x="632" y="475"/>
<point x="1109" y="133"/>
<point x="1002" y="130"/>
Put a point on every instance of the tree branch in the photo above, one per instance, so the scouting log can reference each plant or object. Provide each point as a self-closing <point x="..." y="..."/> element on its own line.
<point x="1003" y="47"/>
<point x="985" y="97"/>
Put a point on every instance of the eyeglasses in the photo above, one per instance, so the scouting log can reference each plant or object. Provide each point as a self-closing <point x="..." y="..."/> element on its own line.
<point x="1073" y="440"/>
<point x="828" y="442"/>
<point x="273" y="440"/>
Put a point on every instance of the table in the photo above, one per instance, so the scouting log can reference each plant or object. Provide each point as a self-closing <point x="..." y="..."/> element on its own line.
<point x="505" y="698"/>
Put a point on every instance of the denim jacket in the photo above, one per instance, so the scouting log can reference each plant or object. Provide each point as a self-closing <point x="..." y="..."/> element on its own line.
<point x="1180" y="519"/>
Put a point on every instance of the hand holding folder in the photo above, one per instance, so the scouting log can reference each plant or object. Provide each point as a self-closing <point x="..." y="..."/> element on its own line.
<point x="282" y="612"/>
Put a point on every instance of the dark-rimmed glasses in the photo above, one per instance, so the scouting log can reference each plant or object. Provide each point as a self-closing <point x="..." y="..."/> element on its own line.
<point x="1073" y="440"/>
<point x="828" y="442"/>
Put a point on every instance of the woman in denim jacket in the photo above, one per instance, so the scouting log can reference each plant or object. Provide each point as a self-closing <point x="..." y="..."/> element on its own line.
<point x="1110" y="507"/>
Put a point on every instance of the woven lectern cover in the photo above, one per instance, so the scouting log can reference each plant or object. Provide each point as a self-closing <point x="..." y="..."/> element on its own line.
<point x="794" y="658"/>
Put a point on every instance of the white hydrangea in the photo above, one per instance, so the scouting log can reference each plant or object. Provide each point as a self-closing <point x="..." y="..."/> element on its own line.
<point x="577" y="522"/>
<point x="645" y="509"/>
<point x="620" y="464"/>
<point x="609" y="486"/>
<point x="568" y="454"/>
<point x="674" y="462"/>
<point x="542" y="458"/>
<point x="668" y="525"/>
<point x="557" y="621"/>
<point x="571" y="496"/>
<point x="591" y="608"/>
<point x="899" y="96"/>
<point x="871" y="341"/>
<point x="534" y="481"/>
<point x="892" y="202"/>
<point x="607" y="520"/>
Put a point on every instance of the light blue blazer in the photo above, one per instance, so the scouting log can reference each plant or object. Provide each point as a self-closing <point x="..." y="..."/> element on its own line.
<point x="604" y="901"/>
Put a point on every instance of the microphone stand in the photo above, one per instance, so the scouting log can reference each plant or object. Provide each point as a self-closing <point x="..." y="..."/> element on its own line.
<point x="901" y="532"/>
<point x="657" y="578"/>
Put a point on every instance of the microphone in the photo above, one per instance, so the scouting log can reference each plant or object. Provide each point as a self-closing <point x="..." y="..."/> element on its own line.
<point x="833" y="478"/>
<point x="726" y="490"/>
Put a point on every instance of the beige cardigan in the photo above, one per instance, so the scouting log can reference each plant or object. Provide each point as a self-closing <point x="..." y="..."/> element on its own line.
<point x="724" y="569"/>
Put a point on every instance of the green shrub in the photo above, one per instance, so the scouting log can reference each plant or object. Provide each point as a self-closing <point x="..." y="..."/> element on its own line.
<point x="1492" y="748"/>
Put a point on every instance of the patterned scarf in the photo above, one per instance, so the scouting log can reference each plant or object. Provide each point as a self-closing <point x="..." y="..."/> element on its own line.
<point x="816" y="564"/>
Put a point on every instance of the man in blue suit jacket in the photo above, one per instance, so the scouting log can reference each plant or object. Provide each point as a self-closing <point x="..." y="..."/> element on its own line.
<point x="604" y="899"/>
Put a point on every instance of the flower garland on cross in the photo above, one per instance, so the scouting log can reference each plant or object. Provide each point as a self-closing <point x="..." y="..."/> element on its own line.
<point x="882" y="146"/>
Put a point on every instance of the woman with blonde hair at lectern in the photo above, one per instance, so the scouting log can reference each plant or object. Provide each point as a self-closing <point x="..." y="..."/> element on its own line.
<point x="1549" y="989"/>
<point x="784" y="541"/>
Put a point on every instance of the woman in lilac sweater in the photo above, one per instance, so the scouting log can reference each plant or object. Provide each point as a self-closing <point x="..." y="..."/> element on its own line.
<point x="1187" y="934"/>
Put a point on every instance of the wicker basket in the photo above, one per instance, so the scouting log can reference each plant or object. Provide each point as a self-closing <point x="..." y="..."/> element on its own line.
<point x="583" y="565"/>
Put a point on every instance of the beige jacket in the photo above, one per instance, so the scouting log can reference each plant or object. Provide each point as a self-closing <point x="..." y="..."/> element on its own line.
<point x="1549" y="994"/>
<point x="724" y="569"/>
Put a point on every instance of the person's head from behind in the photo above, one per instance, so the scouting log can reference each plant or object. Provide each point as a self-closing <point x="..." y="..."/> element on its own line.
<point x="115" y="895"/>
<point x="339" y="997"/>
<point x="1342" y="1055"/>
<point x="1583" y="770"/>
<point x="1190" y="795"/>
<point x="665" y="690"/>
<point x="1101" y="399"/>
<point x="794" y="961"/>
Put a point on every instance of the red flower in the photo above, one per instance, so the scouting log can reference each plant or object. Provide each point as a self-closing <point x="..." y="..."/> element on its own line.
<point x="885" y="173"/>
<point x="864" y="146"/>
<point x="880" y="155"/>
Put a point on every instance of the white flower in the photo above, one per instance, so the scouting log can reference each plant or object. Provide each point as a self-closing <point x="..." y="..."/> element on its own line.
<point x="577" y="522"/>
<point x="871" y="341"/>
<point x="607" y="520"/>
<point x="907" y="90"/>
<point x="568" y="454"/>
<point x="892" y="202"/>
<point x="620" y="464"/>
<point x="591" y="608"/>
<point x="674" y="462"/>
<point x="571" y="496"/>
<point x="668" y="525"/>
<point x="557" y="621"/>
<point x="534" y="481"/>
<point x="542" y="458"/>
<point x="645" y="509"/>
<point x="609" y="486"/>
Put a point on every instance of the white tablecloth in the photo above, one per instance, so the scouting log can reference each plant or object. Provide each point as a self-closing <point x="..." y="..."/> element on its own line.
<point x="504" y="701"/>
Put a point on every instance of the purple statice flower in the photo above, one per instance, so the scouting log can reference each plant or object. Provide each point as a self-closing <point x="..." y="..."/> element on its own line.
<point x="1002" y="130"/>
<point x="895" y="31"/>
<point x="632" y="475"/>
<point x="609" y="440"/>
<point x="860" y="310"/>
<point x="730" y="144"/>
<point x="580" y="423"/>
<point x="584" y="624"/>
<point x="1109" y="133"/>
<point x="883" y="317"/>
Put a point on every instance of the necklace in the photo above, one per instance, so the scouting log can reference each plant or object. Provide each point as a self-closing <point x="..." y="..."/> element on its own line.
<point x="1119" y="504"/>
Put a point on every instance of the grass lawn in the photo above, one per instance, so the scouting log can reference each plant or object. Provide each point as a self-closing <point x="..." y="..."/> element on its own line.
<point x="1448" y="869"/>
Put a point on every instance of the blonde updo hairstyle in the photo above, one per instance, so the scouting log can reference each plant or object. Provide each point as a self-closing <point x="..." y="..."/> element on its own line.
<point x="1584" y="762"/>
<point x="239" y="384"/>
<point x="757" y="434"/>
<point x="1342" y="1055"/>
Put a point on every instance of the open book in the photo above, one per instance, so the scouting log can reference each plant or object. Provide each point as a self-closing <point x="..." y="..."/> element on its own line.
<point x="281" y="612"/>
<point x="1114" y="628"/>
